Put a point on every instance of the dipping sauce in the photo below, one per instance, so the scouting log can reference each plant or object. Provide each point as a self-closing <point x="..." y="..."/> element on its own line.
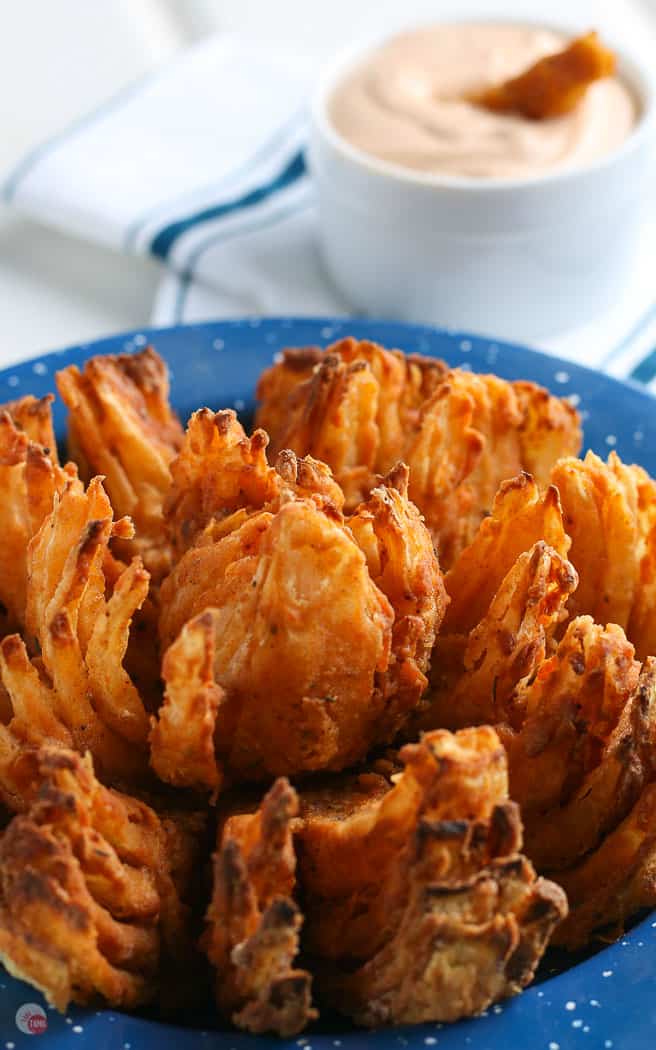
<point x="405" y="104"/>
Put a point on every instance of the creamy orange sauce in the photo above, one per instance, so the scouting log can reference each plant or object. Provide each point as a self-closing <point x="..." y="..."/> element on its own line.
<point x="404" y="104"/>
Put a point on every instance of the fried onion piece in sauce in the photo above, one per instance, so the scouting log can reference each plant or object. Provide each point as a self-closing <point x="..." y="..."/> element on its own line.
<point x="555" y="85"/>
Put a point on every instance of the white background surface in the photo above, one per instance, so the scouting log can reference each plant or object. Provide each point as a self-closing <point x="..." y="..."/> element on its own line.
<point x="59" y="59"/>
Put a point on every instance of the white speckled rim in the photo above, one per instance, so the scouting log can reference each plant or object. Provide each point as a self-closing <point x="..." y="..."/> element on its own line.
<point x="640" y="76"/>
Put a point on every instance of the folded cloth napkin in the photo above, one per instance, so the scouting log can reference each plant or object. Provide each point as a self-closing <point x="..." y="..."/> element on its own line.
<point x="202" y="166"/>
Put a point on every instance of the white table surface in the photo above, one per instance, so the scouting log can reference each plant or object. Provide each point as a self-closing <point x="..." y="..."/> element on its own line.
<point x="59" y="60"/>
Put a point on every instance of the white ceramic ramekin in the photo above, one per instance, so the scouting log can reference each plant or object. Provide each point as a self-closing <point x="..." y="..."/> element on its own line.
<point x="518" y="259"/>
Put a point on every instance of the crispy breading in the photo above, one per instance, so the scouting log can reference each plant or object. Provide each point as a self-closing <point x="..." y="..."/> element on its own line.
<point x="352" y="411"/>
<point x="320" y="403"/>
<point x="217" y="471"/>
<point x="220" y="470"/>
<point x="443" y="449"/>
<point x="336" y="422"/>
<point x="610" y="508"/>
<point x="642" y="625"/>
<point x="291" y="367"/>
<point x="88" y="906"/>
<point x="474" y="674"/>
<point x="520" y="426"/>
<point x="584" y="763"/>
<point x="307" y="478"/>
<point x="33" y="416"/>
<point x="362" y="409"/>
<point x="299" y="633"/>
<point x="614" y="882"/>
<point x="121" y="425"/>
<point x="29" y="478"/>
<point x="521" y="516"/>
<point x="554" y="85"/>
<point x="402" y="564"/>
<point x="550" y="424"/>
<point x="578" y="728"/>
<point x="581" y="755"/>
<point x="404" y="381"/>
<point x="318" y="628"/>
<point x="76" y="692"/>
<point x="354" y="828"/>
<point x="601" y="521"/>
<point x="182" y="736"/>
<point x="565" y="720"/>
<point x="497" y="418"/>
<point x="253" y="924"/>
<point x="418" y="903"/>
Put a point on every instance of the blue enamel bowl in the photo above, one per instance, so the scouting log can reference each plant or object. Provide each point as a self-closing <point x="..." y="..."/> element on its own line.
<point x="603" y="1001"/>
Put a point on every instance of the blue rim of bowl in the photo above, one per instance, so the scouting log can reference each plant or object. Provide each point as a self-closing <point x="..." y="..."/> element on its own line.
<point x="555" y="1013"/>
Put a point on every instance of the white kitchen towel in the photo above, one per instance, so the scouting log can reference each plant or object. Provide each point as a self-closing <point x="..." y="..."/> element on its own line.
<point x="202" y="166"/>
<point x="277" y="270"/>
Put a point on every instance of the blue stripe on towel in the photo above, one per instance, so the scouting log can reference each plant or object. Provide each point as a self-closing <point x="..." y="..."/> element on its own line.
<point x="645" y="371"/>
<point x="629" y="339"/>
<point x="209" y="242"/>
<point x="272" y="144"/>
<point x="165" y="239"/>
